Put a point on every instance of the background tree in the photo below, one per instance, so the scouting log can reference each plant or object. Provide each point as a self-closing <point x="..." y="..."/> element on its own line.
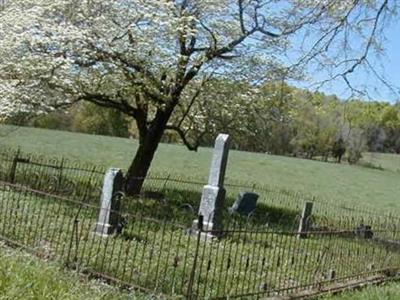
<point x="339" y="149"/>
<point x="144" y="57"/>
<point x="90" y="118"/>
<point x="316" y="125"/>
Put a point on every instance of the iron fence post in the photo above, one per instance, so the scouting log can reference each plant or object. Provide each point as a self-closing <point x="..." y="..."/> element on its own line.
<point x="60" y="174"/>
<point x="189" y="294"/>
<point x="14" y="166"/>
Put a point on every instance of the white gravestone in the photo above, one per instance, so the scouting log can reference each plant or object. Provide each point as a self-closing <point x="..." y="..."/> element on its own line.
<point x="110" y="203"/>
<point x="212" y="200"/>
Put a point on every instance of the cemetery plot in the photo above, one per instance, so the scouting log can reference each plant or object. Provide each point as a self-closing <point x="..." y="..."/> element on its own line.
<point x="160" y="255"/>
<point x="164" y="240"/>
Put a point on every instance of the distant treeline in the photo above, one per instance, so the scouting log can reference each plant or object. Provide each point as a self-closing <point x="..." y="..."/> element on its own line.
<point x="274" y="118"/>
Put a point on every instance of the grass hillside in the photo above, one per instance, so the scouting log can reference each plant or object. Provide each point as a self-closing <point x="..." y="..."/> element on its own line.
<point x="26" y="277"/>
<point x="334" y="182"/>
<point x="382" y="160"/>
<point x="388" y="291"/>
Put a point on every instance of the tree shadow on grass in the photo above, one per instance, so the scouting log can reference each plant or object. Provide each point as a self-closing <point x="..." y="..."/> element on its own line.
<point x="181" y="206"/>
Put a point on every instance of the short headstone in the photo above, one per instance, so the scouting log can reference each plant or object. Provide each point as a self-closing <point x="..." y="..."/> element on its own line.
<point x="364" y="231"/>
<point x="213" y="195"/>
<point x="108" y="220"/>
<point x="331" y="275"/>
<point x="245" y="204"/>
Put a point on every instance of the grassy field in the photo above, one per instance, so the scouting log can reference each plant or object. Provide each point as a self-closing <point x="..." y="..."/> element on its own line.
<point x="333" y="182"/>
<point x="388" y="291"/>
<point x="382" y="160"/>
<point x="26" y="277"/>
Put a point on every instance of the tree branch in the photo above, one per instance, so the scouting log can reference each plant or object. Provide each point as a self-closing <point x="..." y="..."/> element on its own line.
<point x="182" y="135"/>
<point x="105" y="101"/>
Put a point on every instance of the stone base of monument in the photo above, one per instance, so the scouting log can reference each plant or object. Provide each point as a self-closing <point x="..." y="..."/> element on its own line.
<point x="210" y="213"/>
<point x="212" y="200"/>
<point x="209" y="230"/>
<point x="104" y="230"/>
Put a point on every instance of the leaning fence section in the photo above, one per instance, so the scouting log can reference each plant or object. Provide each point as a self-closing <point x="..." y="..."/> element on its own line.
<point x="52" y="174"/>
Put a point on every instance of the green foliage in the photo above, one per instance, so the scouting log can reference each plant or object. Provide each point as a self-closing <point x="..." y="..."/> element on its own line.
<point x="280" y="119"/>
<point x="20" y="119"/>
<point x="55" y="120"/>
<point x="338" y="149"/>
<point x="257" y="118"/>
<point x="316" y="126"/>
<point x="83" y="117"/>
<point x="379" y="122"/>
<point x="90" y="118"/>
<point x="357" y="144"/>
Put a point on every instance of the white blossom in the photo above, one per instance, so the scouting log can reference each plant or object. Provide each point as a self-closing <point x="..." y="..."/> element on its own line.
<point x="53" y="51"/>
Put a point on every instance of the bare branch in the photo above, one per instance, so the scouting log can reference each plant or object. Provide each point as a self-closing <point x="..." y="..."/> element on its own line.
<point x="191" y="146"/>
<point x="106" y="101"/>
<point x="241" y="19"/>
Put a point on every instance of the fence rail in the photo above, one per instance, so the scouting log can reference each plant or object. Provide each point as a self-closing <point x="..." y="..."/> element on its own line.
<point x="157" y="250"/>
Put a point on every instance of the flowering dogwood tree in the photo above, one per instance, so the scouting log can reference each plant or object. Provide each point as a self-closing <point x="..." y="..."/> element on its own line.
<point x="144" y="57"/>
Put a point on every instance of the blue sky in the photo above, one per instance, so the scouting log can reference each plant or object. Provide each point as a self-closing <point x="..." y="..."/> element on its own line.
<point x="390" y="64"/>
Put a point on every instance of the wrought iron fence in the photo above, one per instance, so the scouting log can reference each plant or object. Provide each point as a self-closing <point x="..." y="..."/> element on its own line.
<point x="159" y="253"/>
<point x="156" y="249"/>
<point x="79" y="180"/>
<point x="52" y="174"/>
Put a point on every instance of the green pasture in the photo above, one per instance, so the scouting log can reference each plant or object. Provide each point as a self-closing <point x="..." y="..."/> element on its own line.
<point x="337" y="183"/>
<point x="385" y="161"/>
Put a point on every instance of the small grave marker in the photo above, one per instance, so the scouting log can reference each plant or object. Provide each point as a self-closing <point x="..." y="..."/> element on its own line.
<point x="245" y="204"/>
<point x="364" y="231"/>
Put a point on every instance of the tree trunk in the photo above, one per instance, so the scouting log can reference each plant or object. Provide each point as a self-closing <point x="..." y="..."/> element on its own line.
<point x="148" y="144"/>
<point x="140" y="166"/>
